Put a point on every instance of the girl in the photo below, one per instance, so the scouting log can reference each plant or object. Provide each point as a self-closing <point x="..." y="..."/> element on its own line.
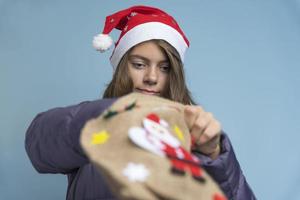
<point x="147" y="58"/>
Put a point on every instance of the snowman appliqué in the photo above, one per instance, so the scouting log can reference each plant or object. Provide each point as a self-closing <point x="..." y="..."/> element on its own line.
<point x="155" y="137"/>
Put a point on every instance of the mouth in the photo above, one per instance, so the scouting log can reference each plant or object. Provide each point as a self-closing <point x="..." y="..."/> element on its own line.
<point x="146" y="91"/>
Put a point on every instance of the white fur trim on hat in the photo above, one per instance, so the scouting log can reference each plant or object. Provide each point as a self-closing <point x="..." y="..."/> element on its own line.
<point x="148" y="31"/>
<point x="102" y="42"/>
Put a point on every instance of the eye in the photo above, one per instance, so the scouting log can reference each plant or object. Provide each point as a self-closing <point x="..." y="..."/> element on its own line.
<point x="138" y="65"/>
<point x="165" y="68"/>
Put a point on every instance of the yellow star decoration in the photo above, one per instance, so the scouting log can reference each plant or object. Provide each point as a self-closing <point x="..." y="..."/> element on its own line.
<point x="100" y="137"/>
<point x="178" y="133"/>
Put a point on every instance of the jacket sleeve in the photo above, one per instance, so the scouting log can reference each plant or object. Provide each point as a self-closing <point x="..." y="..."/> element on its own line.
<point x="52" y="139"/>
<point x="227" y="172"/>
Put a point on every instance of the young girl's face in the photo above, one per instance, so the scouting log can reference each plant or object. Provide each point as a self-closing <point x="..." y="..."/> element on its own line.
<point x="148" y="68"/>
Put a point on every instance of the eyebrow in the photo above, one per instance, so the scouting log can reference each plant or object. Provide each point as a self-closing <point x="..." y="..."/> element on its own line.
<point x="145" y="59"/>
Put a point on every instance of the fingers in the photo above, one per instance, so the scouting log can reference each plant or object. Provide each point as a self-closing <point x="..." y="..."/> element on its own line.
<point x="210" y="146"/>
<point x="190" y="115"/>
<point x="211" y="149"/>
<point x="204" y="128"/>
<point x="201" y="129"/>
<point x="213" y="129"/>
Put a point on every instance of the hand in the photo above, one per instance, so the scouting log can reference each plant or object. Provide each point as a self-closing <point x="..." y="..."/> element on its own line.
<point x="205" y="130"/>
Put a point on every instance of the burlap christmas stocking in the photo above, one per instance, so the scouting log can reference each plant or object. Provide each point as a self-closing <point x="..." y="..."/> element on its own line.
<point x="141" y="146"/>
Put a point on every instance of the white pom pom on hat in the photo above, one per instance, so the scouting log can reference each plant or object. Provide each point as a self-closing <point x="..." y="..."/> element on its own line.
<point x="102" y="42"/>
<point x="138" y="24"/>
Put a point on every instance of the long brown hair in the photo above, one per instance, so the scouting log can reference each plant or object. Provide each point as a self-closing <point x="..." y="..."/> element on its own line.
<point x="176" y="90"/>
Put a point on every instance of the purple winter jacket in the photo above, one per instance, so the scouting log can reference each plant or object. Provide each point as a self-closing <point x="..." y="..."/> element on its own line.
<point x="52" y="144"/>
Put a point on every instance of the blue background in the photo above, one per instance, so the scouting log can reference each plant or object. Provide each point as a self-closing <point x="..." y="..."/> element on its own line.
<point x="243" y="65"/>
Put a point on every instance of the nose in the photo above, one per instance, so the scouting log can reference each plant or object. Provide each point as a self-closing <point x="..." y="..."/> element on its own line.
<point x="151" y="75"/>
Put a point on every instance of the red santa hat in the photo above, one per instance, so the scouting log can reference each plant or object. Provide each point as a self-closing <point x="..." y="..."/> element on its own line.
<point x="138" y="24"/>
